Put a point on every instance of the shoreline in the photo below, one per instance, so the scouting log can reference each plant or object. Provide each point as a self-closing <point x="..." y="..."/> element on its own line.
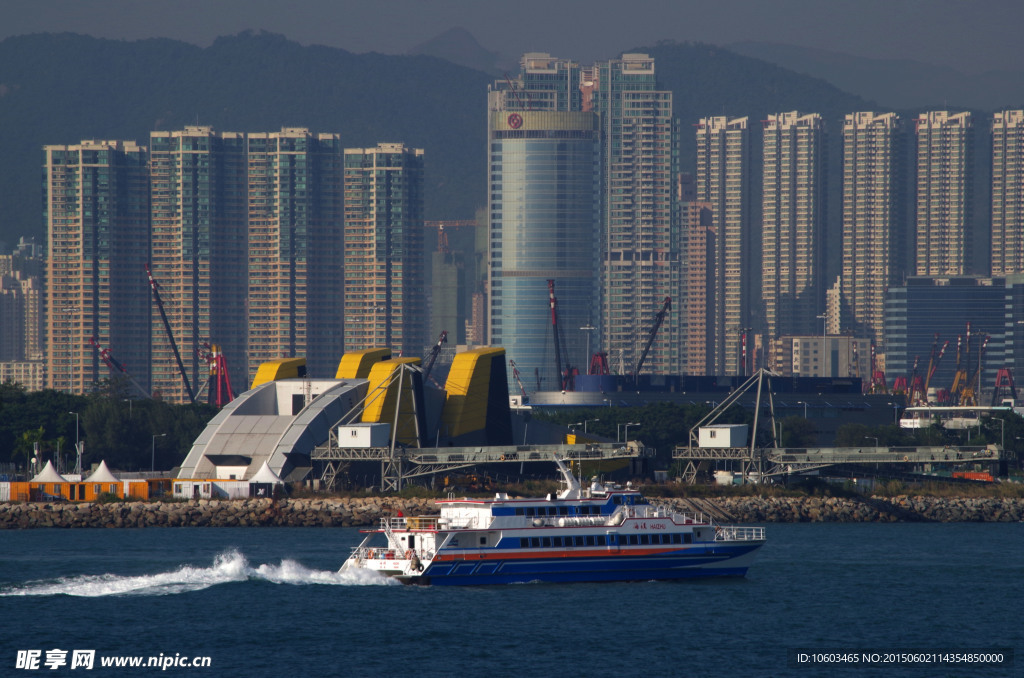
<point x="367" y="511"/>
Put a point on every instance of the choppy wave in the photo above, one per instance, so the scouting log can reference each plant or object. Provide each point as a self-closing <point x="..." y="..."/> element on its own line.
<point x="227" y="567"/>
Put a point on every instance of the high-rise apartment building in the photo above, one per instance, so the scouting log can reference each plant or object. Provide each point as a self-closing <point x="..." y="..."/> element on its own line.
<point x="641" y="251"/>
<point x="723" y="180"/>
<point x="793" y="222"/>
<point x="383" y="249"/>
<point x="544" y="215"/>
<point x="96" y="210"/>
<point x="944" y="193"/>
<point x="294" y="248"/>
<point x="698" y="243"/>
<point x="1008" y="192"/>
<point x="198" y="256"/>
<point x="874" y="219"/>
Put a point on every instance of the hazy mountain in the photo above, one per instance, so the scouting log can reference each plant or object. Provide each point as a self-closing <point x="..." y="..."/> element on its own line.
<point x="458" y="46"/>
<point x="897" y="83"/>
<point x="60" y="89"/>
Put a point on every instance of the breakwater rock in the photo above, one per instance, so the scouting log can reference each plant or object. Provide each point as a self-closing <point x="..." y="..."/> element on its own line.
<point x="317" y="512"/>
<point x="364" y="511"/>
<point x="865" y="509"/>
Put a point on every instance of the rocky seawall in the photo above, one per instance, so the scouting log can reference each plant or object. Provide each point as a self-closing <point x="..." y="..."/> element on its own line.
<point x="359" y="512"/>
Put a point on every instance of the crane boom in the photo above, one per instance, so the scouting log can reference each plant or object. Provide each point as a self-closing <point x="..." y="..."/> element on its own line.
<point x="108" y="358"/>
<point x="170" y="335"/>
<point x="442" y="339"/>
<point x="658" y="320"/>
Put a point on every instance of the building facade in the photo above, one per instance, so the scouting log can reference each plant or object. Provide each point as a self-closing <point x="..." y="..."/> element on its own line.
<point x="723" y="180"/>
<point x="642" y="247"/>
<point x="944" y="193"/>
<point x="543" y="212"/>
<point x="874" y="220"/>
<point x="294" y="249"/>
<point x="198" y="254"/>
<point x="1007" y="193"/>
<point x="384" y="297"/>
<point x="96" y="212"/>
<point x="970" y="312"/>
<point x="793" y="212"/>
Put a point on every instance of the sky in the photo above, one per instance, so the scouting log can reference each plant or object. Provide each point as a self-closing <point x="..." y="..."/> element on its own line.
<point x="969" y="35"/>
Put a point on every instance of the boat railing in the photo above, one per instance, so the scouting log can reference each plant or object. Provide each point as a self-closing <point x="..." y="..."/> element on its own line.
<point x="387" y="553"/>
<point x="408" y="523"/>
<point x="696" y="518"/>
<point x="734" y="533"/>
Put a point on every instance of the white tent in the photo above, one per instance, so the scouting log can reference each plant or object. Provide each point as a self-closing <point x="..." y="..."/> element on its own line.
<point x="102" y="475"/>
<point x="265" y="475"/>
<point x="49" y="475"/>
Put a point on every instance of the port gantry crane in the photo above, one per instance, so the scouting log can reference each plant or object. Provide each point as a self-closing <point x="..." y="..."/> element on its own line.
<point x="658" y="320"/>
<point x="170" y="335"/>
<point x="933" y="365"/>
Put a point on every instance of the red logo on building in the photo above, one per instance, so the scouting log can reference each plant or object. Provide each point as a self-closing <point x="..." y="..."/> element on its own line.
<point x="515" y="121"/>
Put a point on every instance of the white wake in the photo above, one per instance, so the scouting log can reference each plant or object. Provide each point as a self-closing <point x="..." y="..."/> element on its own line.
<point x="227" y="567"/>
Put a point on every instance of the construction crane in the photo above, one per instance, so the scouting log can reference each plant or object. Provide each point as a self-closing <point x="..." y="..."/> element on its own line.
<point x="566" y="375"/>
<point x="915" y="381"/>
<point x="599" y="363"/>
<point x="1004" y="387"/>
<point x="658" y="320"/>
<point x="170" y="335"/>
<point x="442" y="339"/>
<point x="959" y="374"/>
<point x="969" y="396"/>
<point x="108" y="358"/>
<point x="219" y="391"/>
<point x="933" y="365"/>
<point x="515" y="374"/>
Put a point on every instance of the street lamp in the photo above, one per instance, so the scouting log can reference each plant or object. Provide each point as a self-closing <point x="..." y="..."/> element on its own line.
<point x="872" y="438"/>
<point x="625" y="429"/>
<point x="572" y="427"/>
<point x="822" y="317"/>
<point x="78" y="447"/>
<point x="1002" y="433"/>
<point x="152" y="458"/>
<point x="585" y="421"/>
<point x="801" y="402"/>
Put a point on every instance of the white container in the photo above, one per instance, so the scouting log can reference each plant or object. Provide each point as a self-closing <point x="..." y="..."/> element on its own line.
<point x="364" y="435"/>
<point x="723" y="436"/>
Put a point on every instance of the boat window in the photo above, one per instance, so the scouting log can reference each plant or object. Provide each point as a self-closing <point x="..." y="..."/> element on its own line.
<point x="524" y="542"/>
<point x="600" y="540"/>
<point x="556" y="541"/>
<point x="645" y="539"/>
<point x="590" y="540"/>
<point x="633" y="539"/>
<point x="579" y="541"/>
<point x="530" y="511"/>
<point x="545" y="542"/>
<point x="563" y="510"/>
<point x="617" y="499"/>
<point x="687" y="538"/>
<point x="519" y="511"/>
<point x="535" y="542"/>
<point x="677" y="538"/>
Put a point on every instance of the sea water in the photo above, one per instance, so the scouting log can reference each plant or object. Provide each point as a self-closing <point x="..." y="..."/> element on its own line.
<point x="259" y="602"/>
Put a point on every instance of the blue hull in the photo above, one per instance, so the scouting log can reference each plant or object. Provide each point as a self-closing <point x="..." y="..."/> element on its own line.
<point x="671" y="566"/>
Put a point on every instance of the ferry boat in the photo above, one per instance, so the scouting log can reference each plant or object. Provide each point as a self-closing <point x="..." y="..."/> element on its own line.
<point x="601" y="533"/>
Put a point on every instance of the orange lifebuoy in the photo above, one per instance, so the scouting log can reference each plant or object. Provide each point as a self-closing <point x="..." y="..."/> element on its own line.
<point x="408" y="554"/>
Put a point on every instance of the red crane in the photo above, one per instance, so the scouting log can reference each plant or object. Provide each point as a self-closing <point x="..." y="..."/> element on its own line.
<point x="108" y="358"/>
<point x="170" y="335"/>
<point x="220" y="392"/>
<point x="515" y="373"/>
